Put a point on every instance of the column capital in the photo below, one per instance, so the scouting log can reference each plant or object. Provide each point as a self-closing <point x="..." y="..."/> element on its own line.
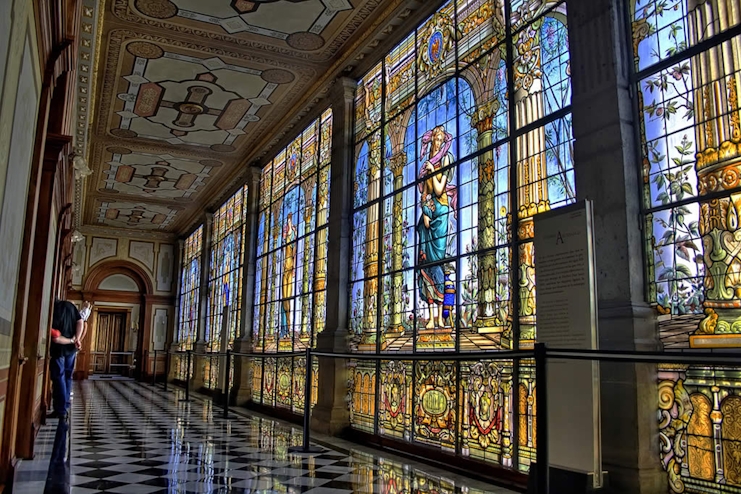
<point x="254" y="174"/>
<point x="343" y="89"/>
<point x="483" y="117"/>
<point x="208" y="218"/>
<point x="397" y="163"/>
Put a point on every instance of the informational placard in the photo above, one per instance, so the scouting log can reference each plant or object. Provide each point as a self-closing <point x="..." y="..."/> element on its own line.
<point x="566" y="301"/>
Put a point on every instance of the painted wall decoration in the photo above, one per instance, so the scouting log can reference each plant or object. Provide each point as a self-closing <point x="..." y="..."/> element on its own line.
<point x="453" y="158"/>
<point x="300" y="29"/>
<point x="142" y="252"/>
<point x="690" y="121"/>
<point x="189" y="298"/>
<point x="186" y="92"/>
<point x="159" y="328"/>
<point x="165" y="264"/>
<point x="291" y="270"/>
<point x="102" y="248"/>
<point x="225" y="280"/>
<point x="78" y="262"/>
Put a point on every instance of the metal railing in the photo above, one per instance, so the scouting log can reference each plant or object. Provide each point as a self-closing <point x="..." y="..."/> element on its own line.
<point x="540" y="354"/>
<point x="108" y="363"/>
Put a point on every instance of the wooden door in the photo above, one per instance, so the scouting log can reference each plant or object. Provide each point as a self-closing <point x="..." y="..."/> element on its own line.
<point x="110" y="336"/>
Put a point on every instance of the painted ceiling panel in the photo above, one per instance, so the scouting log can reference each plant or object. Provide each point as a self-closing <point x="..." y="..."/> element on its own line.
<point x="185" y="92"/>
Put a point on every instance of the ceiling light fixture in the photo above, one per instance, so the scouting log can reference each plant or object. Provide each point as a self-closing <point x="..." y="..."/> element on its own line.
<point x="77" y="236"/>
<point x="79" y="164"/>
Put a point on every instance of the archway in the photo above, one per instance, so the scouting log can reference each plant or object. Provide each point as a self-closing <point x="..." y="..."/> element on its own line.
<point x="121" y="293"/>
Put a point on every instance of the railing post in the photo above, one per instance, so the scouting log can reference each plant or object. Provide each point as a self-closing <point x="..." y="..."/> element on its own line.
<point x="226" y="382"/>
<point x="187" y="373"/>
<point x="541" y="413"/>
<point x="306" y="447"/>
<point x="167" y="367"/>
<point x="154" y="369"/>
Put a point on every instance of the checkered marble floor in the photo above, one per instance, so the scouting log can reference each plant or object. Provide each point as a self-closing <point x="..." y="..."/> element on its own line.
<point x="130" y="438"/>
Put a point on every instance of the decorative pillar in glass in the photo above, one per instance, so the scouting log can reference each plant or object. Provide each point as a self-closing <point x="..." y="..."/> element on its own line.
<point x="396" y="328"/>
<point x="532" y="194"/>
<point x="490" y="318"/>
<point x="717" y="82"/>
<point x="370" y="322"/>
<point x="308" y="185"/>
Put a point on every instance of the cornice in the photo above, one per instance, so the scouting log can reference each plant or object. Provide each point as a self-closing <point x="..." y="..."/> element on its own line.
<point x="100" y="231"/>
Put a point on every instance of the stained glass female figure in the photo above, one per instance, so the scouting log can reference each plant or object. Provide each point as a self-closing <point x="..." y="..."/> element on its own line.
<point x="437" y="199"/>
<point x="290" y="232"/>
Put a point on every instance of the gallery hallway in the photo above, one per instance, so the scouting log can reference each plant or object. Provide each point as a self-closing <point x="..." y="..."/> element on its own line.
<point x="130" y="438"/>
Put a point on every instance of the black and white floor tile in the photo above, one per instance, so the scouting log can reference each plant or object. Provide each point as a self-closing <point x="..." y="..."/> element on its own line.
<point x="131" y="438"/>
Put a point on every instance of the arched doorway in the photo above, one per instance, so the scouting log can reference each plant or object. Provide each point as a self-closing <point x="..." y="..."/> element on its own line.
<point x="115" y="342"/>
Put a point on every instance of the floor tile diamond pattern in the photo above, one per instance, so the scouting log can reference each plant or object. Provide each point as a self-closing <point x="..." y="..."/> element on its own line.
<point x="135" y="439"/>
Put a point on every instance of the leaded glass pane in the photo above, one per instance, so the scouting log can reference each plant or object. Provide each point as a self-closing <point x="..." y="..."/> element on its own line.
<point x="291" y="266"/>
<point x="190" y="280"/>
<point x="448" y="175"/>
<point x="690" y="135"/>
<point x="223" y="312"/>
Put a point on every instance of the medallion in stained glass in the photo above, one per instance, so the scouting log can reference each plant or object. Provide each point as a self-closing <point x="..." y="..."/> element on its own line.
<point x="436" y="229"/>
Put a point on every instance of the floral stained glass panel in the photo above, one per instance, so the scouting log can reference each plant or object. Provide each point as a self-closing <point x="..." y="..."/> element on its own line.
<point x="690" y="135"/>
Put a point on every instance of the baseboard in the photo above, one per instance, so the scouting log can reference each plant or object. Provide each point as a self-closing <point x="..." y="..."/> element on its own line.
<point x="561" y="480"/>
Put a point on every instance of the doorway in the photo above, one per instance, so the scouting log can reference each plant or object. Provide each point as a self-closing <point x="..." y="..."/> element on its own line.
<point x="108" y="345"/>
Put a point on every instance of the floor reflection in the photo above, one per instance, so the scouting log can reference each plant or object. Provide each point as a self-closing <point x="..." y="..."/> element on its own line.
<point x="131" y="438"/>
<point x="58" y="478"/>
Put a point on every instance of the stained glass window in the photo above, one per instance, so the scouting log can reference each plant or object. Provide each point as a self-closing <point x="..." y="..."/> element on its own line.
<point x="225" y="282"/>
<point x="687" y="57"/>
<point x="291" y="268"/>
<point x="190" y="281"/>
<point x="462" y="135"/>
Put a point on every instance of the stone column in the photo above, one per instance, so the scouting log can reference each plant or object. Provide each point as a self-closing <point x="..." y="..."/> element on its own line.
<point x="607" y="171"/>
<point x="330" y="414"/>
<point x="200" y="344"/>
<point x="242" y="390"/>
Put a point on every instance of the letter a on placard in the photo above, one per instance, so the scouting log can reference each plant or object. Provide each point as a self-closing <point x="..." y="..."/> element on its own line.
<point x="559" y="238"/>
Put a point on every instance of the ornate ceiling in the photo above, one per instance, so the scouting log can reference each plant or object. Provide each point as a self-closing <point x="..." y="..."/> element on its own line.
<point x="185" y="93"/>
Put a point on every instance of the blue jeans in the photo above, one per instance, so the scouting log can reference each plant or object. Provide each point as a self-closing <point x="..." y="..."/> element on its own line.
<point x="61" y="369"/>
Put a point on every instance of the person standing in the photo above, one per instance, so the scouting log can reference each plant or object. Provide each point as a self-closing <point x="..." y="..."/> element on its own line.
<point x="70" y="326"/>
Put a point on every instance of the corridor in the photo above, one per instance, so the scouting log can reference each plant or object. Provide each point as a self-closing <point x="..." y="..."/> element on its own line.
<point x="130" y="438"/>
